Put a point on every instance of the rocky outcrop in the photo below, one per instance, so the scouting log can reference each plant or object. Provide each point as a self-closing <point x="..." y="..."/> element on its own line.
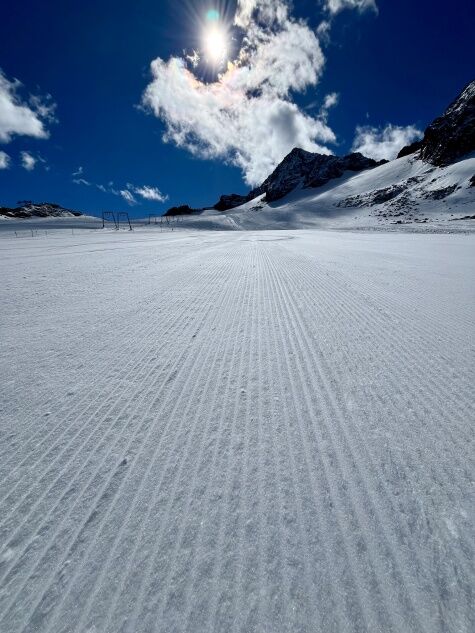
<point x="328" y="167"/>
<point x="28" y="209"/>
<point x="184" y="209"/>
<point x="452" y="135"/>
<point x="289" y="174"/>
<point x="230" y="201"/>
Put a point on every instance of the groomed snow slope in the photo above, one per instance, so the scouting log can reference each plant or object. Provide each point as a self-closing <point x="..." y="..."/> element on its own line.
<point x="239" y="431"/>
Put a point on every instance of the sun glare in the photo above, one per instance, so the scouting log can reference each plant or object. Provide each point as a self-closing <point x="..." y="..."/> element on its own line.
<point x="215" y="44"/>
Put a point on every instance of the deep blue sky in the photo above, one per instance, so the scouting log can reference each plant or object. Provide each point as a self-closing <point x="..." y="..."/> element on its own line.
<point x="401" y="66"/>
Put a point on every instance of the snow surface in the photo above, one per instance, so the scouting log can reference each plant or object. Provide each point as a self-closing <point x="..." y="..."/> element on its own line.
<point x="245" y="431"/>
<point x="23" y="226"/>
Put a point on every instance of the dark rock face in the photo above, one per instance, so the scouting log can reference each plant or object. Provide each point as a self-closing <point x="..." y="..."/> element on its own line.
<point x="410" y="149"/>
<point x="452" y="135"/>
<point x="184" y="209"/>
<point x="290" y="173"/>
<point x="230" y="201"/>
<point x="305" y="169"/>
<point x="334" y="167"/>
<point x="38" y="210"/>
<point x="472" y="181"/>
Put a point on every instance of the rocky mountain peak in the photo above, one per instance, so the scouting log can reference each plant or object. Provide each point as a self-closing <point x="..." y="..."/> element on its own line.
<point x="306" y="169"/>
<point x="300" y="169"/>
<point x="450" y="136"/>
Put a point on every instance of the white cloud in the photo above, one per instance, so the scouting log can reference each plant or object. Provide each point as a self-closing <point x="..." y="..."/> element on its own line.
<point x="384" y="143"/>
<point x="194" y="59"/>
<point x="148" y="193"/>
<point x="330" y="101"/>
<point x="4" y="160"/>
<point x="268" y="12"/>
<point x="79" y="172"/>
<point x="276" y="63"/>
<point x="128" y="197"/>
<point x="335" y="6"/>
<point x="247" y="116"/>
<point x="28" y="161"/>
<point x="25" y="118"/>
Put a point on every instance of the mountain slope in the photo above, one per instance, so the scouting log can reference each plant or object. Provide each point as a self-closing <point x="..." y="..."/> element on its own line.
<point x="38" y="210"/>
<point x="406" y="191"/>
<point x="431" y="181"/>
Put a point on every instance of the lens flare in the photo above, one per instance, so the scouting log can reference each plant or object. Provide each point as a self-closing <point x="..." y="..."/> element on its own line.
<point x="212" y="15"/>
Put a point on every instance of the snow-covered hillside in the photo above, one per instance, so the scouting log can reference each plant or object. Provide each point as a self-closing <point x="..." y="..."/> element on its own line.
<point x="29" y="209"/>
<point x="406" y="191"/>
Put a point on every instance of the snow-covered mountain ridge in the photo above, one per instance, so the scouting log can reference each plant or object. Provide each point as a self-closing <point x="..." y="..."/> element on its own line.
<point x="446" y="139"/>
<point x="29" y="209"/>
<point x="306" y="170"/>
<point x="406" y="192"/>
<point x="431" y="181"/>
<point x="300" y="169"/>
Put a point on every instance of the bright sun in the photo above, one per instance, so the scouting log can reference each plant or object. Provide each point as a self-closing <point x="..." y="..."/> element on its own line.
<point x="215" y="44"/>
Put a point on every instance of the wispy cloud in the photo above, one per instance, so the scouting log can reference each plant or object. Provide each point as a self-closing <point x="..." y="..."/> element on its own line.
<point x="128" y="197"/>
<point x="148" y="193"/>
<point x="384" y="143"/>
<point x="127" y="193"/>
<point x="82" y="181"/>
<point x="28" y="161"/>
<point x="20" y="116"/>
<point x="4" y="160"/>
<point x="330" y="101"/>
